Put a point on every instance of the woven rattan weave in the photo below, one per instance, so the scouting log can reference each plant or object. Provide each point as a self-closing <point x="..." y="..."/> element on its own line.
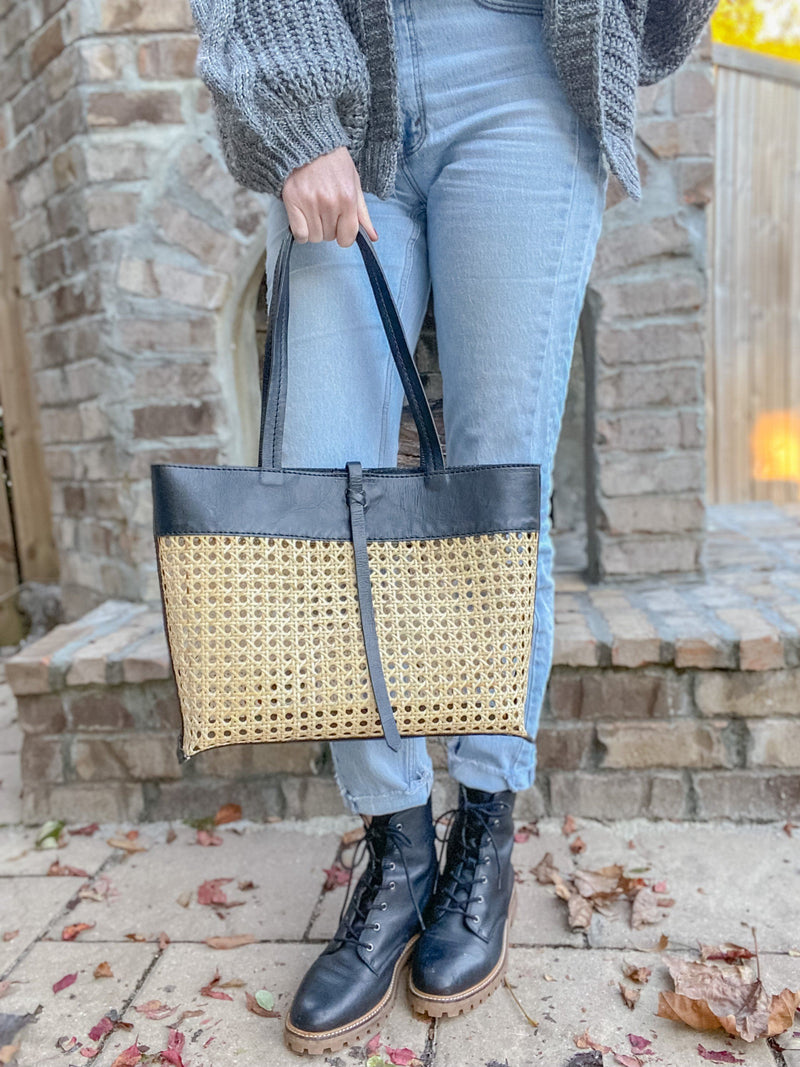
<point x="266" y="639"/>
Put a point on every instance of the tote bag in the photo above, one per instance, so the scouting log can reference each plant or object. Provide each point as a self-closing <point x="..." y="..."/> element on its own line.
<point x="331" y="604"/>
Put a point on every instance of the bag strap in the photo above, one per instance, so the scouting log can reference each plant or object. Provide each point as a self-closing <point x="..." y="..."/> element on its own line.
<point x="356" y="500"/>
<point x="274" y="381"/>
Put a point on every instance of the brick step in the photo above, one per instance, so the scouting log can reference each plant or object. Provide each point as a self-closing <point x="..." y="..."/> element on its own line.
<point x="674" y="700"/>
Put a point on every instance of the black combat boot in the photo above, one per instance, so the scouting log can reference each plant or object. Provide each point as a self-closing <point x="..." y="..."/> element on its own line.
<point x="461" y="956"/>
<point x="349" y="990"/>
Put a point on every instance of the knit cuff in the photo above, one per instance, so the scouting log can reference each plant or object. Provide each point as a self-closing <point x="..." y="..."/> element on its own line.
<point x="377" y="168"/>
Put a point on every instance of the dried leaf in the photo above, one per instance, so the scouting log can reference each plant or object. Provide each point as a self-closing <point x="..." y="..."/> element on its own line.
<point x="707" y="997"/>
<point x="172" y="1053"/>
<point x="569" y="826"/>
<point x="69" y="933"/>
<point x="105" y="1026"/>
<point x="579" y="912"/>
<point x="401" y="1057"/>
<point x="257" y="1009"/>
<point x="640" y="1044"/>
<point x="86" y="831"/>
<point x="171" y="835"/>
<point x="62" y="983"/>
<point x="58" y="869"/>
<point x="154" y="1009"/>
<point x="373" y="1045"/>
<point x="352" y="837"/>
<point x="530" y="829"/>
<point x="334" y="876"/>
<point x="728" y="953"/>
<point x="228" y="813"/>
<point x="103" y="970"/>
<point x="213" y="990"/>
<point x="8" y="1052"/>
<point x="127" y="844"/>
<point x="630" y="996"/>
<point x="211" y="893"/>
<point x="577" y="846"/>
<point x="717" y="1057"/>
<point x="637" y="974"/>
<point x="234" y="941"/>
<point x="626" y="1060"/>
<point x="585" y="1041"/>
<point x="545" y="870"/>
<point x="9" y="935"/>
<point x="645" y="909"/>
<point x="131" y="1057"/>
<point x="206" y="838"/>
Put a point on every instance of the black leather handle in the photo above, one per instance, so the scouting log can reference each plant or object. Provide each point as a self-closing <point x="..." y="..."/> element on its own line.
<point x="273" y="386"/>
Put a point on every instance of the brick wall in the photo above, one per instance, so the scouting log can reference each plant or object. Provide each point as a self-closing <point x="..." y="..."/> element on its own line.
<point x="644" y="328"/>
<point x="135" y="244"/>
<point x="130" y="235"/>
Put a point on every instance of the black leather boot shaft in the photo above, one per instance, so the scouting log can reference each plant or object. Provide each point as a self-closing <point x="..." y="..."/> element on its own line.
<point x="384" y="914"/>
<point x="465" y="936"/>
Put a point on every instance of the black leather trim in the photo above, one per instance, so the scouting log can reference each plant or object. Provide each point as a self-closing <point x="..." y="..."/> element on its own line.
<point x="276" y="359"/>
<point x="311" y="504"/>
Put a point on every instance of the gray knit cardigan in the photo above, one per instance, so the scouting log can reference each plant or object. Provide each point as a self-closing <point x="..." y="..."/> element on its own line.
<point x="293" y="79"/>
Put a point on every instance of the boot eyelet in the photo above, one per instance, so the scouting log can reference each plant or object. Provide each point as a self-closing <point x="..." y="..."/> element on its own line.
<point x="483" y="878"/>
<point x="369" y="946"/>
<point x="475" y="918"/>
<point x="488" y="859"/>
<point x="390" y="866"/>
<point x="480" y="900"/>
<point x="384" y="906"/>
<point x="399" y="825"/>
<point x="496" y="822"/>
<point x="376" y="926"/>
<point x="391" y="885"/>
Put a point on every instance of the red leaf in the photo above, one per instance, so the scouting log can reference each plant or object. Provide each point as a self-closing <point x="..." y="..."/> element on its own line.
<point x="87" y="831"/>
<point x="210" y="892"/>
<point x="372" y="1045"/>
<point x="660" y="887"/>
<point x="717" y="1057"/>
<point x="335" y="875"/>
<point x="577" y="846"/>
<point x="69" y="933"/>
<point x="172" y="1053"/>
<point x="400" y="1056"/>
<point x="627" y="1061"/>
<point x="639" y="1044"/>
<point x="210" y="991"/>
<point x="205" y="838"/>
<point x="131" y="1057"/>
<point x="228" y="813"/>
<point x="62" y="983"/>
<point x="569" y="826"/>
<point x="105" y="1026"/>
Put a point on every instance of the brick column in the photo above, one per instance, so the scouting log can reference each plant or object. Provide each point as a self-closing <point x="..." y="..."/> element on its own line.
<point x="643" y="330"/>
<point x="131" y="236"/>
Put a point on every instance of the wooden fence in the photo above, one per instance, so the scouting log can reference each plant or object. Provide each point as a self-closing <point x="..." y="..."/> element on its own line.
<point x="753" y="381"/>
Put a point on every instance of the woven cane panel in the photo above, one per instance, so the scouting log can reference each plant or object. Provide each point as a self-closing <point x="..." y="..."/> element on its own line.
<point x="266" y="643"/>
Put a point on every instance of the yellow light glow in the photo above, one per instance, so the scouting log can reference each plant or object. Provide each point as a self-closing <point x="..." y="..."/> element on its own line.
<point x="771" y="26"/>
<point x="775" y="446"/>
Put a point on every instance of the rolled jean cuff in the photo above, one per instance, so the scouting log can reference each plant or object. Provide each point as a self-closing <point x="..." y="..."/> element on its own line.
<point x="474" y="775"/>
<point x="388" y="803"/>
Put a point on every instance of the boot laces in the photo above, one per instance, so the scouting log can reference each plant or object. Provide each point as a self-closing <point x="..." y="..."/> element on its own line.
<point x="377" y="840"/>
<point x="478" y="819"/>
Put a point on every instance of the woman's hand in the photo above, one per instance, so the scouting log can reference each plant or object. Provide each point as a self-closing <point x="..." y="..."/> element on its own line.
<point x="324" y="201"/>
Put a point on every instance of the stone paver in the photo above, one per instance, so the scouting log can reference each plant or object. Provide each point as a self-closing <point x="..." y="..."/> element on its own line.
<point x="226" y="1034"/>
<point x="565" y="980"/>
<point x="74" y="1010"/>
<point x="727" y="862"/>
<point x="579" y="993"/>
<point x="286" y="869"/>
<point x="29" y="905"/>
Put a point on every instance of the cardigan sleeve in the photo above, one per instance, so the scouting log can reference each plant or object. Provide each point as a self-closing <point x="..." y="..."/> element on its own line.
<point x="288" y="83"/>
<point x="670" y="31"/>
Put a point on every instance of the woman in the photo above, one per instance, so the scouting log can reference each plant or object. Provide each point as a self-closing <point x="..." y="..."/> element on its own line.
<point x="475" y="138"/>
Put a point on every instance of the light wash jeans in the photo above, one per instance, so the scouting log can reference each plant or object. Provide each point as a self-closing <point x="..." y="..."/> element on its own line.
<point x="498" y="205"/>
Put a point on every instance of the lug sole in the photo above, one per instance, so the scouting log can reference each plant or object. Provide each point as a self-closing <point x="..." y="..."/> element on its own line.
<point x="356" y="1032"/>
<point x="449" y="1006"/>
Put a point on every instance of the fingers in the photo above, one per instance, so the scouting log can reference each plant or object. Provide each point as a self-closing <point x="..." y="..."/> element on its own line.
<point x="324" y="200"/>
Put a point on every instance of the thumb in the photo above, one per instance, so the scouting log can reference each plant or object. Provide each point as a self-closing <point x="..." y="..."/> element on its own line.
<point x="363" y="216"/>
